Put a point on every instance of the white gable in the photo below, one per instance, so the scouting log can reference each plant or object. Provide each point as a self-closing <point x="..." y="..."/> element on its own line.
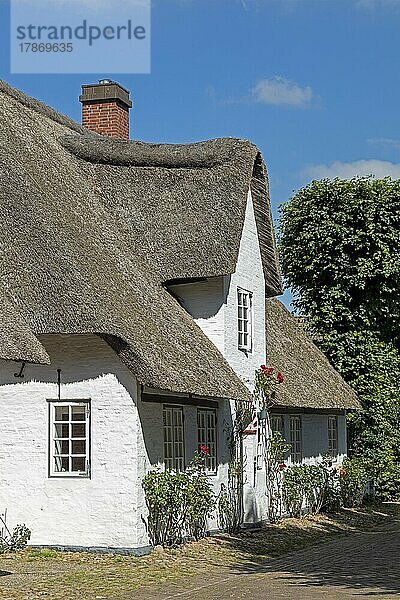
<point x="248" y="276"/>
<point x="213" y="303"/>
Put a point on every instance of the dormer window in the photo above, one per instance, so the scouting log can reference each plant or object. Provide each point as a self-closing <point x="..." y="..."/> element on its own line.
<point x="245" y="326"/>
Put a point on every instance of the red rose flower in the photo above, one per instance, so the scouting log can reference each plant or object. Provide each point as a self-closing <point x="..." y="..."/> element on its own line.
<point x="204" y="449"/>
<point x="282" y="466"/>
<point x="280" y="377"/>
<point x="266" y="370"/>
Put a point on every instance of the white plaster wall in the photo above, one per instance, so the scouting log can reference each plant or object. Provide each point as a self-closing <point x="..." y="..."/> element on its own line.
<point x="205" y="302"/>
<point x="249" y="276"/>
<point x="103" y="510"/>
<point x="315" y="435"/>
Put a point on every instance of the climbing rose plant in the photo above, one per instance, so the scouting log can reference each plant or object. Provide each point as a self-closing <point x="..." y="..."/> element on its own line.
<point x="230" y="497"/>
<point x="266" y="381"/>
<point x="274" y="446"/>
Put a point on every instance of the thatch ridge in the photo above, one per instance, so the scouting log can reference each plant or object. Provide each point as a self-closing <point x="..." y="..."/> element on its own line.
<point x="310" y="381"/>
<point x="186" y="201"/>
<point x="198" y="155"/>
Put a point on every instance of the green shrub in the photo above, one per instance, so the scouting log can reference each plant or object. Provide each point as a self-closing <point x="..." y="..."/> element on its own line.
<point x="311" y="488"/>
<point x="353" y="482"/>
<point x="295" y="489"/>
<point x="384" y="471"/>
<point x="11" y="541"/>
<point x="229" y="504"/>
<point x="178" y="503"/>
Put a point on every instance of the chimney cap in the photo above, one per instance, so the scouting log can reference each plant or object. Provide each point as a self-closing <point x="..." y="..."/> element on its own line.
<point x="104" y="91"/>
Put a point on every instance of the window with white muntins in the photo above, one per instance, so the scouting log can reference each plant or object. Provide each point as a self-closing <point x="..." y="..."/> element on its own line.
<point x="174" y="440"/>
<point x="245" y="325"/>
<point x="333" y="436"/>
<point x="277" y="424"/>
<point x="207" y="436"/>
<point x="69" y="439"/>
<point x="296" y="441"/>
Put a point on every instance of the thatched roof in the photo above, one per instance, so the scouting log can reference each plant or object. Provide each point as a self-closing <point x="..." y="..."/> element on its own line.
<point x="310" y="381"/>
<point x="17" y="341"/>
<point x="183" y="206"/>
<point x="91" y="228"/>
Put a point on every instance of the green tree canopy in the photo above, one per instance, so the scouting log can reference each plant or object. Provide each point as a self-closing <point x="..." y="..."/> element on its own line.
<point x="340" y="251"/>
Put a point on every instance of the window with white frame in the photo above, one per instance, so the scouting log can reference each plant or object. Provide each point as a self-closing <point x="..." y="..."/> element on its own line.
<point x="69" y="438"/>
<point x="296" y="441"/>
<point x="277" y="424"/>
<point x="174" y="440"/>
<point x="333" y="436"/>
<point x="245" y="309"/>
<point x="207" y="436"/>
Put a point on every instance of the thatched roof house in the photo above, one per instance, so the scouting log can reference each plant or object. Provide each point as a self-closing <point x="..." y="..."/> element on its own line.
<point x="93" y="228"/>
<point x="136" y="281"/>
<point x="310" y="380"/>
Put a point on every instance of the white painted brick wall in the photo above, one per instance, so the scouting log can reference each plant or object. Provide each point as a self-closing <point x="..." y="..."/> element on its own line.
<point x="249" y="276"/>
<point x="150" y="445"/>
<point x="127" y="440"/>
<point x="101" y="511"/>
<point x="205" y="301"/>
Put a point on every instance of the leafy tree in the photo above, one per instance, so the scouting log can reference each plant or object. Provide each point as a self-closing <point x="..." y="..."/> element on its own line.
<point x="340" y="249"/>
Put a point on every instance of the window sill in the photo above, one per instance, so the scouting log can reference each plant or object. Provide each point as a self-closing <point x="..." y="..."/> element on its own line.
<point x="245" y="351"/>
<point x="69" y="476"/>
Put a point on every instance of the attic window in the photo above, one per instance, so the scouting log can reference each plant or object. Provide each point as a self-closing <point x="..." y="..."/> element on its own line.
<point x="69" y="439"/>
<point x="245" y="326"/>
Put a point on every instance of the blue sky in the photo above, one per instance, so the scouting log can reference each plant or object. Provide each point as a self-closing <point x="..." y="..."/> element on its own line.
<point x="314" y="83"/>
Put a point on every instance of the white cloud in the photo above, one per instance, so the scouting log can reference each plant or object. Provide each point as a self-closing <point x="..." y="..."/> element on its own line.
<point x="348" y="170"/>
<point x="283" y="92"/>
<point x="389" y="142"/>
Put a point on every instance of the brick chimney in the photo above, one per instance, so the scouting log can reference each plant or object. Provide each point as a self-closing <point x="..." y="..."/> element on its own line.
<point x="105" y="108"/>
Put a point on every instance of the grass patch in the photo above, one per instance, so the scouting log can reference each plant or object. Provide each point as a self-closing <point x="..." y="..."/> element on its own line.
<point x="71" y="576"/>
<point x="39" y="554"/>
